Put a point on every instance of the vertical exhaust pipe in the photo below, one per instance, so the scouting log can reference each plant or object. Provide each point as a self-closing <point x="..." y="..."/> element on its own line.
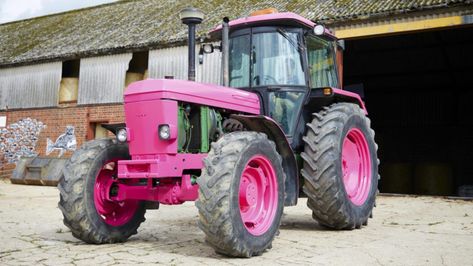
<point x="191" y="17"/>
<point x="225" y="52"/>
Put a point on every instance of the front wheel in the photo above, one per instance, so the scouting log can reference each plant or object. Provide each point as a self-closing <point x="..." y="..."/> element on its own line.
<point x="340" y="167"/>
<point x="241" y="194"/>
<point x="88" y="181"/>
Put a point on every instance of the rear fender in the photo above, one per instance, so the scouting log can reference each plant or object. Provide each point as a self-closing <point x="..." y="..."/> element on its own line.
<point x="348" y="96"/>
<point x="268" y="126"/>
<point x="318" y="98"/>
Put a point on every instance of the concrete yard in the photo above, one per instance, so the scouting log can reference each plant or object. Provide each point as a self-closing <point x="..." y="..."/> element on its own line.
<point x="404" y="231"/>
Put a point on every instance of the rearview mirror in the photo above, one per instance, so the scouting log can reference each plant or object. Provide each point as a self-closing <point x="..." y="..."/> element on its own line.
<point x="207" y="48"/>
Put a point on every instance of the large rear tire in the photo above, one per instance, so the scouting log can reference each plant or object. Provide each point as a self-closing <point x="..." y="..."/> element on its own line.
<point x="88" y="177"/>
<point x="340" y="167"/>
<point x="241" y="194"/>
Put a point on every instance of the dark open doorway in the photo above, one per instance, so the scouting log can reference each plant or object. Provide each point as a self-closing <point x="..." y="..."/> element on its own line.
<point x="418" y="91"/>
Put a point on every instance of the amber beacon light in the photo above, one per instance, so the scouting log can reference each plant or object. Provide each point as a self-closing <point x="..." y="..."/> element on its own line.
<point x="264" y="12"/>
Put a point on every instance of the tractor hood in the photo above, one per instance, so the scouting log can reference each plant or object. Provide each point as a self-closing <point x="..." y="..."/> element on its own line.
<point x="193" y="92"/>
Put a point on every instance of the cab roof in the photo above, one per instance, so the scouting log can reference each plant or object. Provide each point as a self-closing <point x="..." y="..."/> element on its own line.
<point x="284" y="18"/>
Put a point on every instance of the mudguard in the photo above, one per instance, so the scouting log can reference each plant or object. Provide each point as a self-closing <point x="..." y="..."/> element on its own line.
<point x="347" y="96"/>
<point x="268" y="126"/>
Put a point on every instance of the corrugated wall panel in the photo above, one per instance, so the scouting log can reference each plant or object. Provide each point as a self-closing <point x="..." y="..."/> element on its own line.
<point x="3" y="89"/>
<point x="30" y="86"/>
<point x="210" y="71"/>
<point x="173" y="62"/>
<point x="168" y="62"/>
<point x="102" y="79"/>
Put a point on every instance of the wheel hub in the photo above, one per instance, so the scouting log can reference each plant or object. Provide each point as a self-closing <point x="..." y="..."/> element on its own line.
<point x="258" y="195"/>
<point x="356" y="166"/>
<point x="114" y="213"/>
<point x="248" y="193"/>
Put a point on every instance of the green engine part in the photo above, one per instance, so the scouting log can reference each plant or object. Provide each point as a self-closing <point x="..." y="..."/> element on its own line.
<point x="211" y="126"/>
<point x="204" y="126"/>
<point x="183" y="128"/>
<point x="210" y="123"/>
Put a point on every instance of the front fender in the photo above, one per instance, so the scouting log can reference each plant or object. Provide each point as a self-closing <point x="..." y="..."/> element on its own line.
<point x="268" y="126"/>
<point x="113" y="127"/>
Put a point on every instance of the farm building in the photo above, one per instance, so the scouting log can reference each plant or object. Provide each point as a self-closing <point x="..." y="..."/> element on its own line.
<point x="63" y="75"/>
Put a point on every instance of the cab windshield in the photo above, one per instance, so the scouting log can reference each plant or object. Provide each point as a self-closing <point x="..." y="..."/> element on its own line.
<point x="272" y="58"/>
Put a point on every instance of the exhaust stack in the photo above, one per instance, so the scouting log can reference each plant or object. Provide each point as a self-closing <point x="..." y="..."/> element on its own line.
<point x="225" y="52"/>
<point x="191" y="17"/>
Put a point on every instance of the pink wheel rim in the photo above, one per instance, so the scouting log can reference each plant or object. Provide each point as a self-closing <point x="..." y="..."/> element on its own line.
<point x="114" y="213"/>
<point x="356" y="166"/>
<point x="258" y="195"/>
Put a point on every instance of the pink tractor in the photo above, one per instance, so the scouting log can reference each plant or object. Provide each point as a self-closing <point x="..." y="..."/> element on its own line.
<point x="278" y="129"/>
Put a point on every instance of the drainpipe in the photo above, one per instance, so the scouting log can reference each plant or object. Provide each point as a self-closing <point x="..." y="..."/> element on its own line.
<point x="191" y="17"/>
<point x="225" y="52"/>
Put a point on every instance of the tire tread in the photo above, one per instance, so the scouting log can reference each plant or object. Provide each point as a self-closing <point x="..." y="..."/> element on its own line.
<point x="214" y="194"/>
<point x="72" y="203"/>
<point x="325" y="199"/>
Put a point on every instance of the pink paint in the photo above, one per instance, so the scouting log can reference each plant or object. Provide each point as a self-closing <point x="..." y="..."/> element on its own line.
<point x="356" y="166"/>
<point x="160" y="165"/>
<point x="142" y="120"/>
<point x="170" y="193"/>
<point x="114" y="213"/>
<point x="258" y="195"/>
<point x="192" y="92"/>
<point x="352" y="95"/>
<point x="284" y="16"/>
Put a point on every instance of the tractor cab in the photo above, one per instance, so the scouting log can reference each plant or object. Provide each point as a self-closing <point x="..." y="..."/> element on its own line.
<point x="284" y="58"/>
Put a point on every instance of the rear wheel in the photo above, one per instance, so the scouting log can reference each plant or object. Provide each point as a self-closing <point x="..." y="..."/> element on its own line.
<point x="241" y="194"/>
<point x="340" y="167"/>
<point x="85" y="189"/>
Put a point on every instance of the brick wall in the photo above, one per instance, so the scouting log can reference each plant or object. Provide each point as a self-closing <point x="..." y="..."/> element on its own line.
<point x="56" y="120"/>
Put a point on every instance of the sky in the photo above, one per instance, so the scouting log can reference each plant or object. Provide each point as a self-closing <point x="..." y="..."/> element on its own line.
<point x="11" y="10"/>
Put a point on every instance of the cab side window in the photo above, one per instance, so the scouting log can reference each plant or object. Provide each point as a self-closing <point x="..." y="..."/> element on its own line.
<point x="322" y="66"/>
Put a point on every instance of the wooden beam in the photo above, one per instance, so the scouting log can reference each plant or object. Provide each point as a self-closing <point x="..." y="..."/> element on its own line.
<point x="398" y="27"/>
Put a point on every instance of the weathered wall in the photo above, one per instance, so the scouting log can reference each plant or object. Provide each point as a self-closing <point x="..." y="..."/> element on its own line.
<point x="55" y="121"/>
<point x="168" y="62"/>
<point x="38" y="125"/>
<point x="173" y="62"/>
<point x="19" y="139"/>
<point x="30" y="86"/>
<point x="211" y="69"/>
<point x="102" y="79"/>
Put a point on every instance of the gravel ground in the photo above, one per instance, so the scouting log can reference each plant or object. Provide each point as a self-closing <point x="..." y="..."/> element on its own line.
<point x="404" y="231"/>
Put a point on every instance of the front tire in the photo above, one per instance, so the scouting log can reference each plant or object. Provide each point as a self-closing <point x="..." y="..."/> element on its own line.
<point x="87" y="178"/>
<point x="241" y="194"/>
<point x="340" y="167"/>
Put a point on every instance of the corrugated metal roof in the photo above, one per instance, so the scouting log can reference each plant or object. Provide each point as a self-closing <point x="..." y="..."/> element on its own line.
<point x="127" y="25"/>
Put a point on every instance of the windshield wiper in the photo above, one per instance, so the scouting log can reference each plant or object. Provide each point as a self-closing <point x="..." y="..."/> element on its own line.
<point x="294" y="44"/>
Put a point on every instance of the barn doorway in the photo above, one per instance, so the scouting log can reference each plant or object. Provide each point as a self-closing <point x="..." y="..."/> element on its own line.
<point x="418" y="88"/>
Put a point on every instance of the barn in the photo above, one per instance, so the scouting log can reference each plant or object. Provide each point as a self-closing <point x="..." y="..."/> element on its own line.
<point x="64" y="75"/>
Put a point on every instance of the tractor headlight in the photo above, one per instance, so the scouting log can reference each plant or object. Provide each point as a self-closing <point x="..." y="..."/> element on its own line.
<point x="319" y="30"/>
<point x="164" y="132"/>
<point x="122" y="135"/>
